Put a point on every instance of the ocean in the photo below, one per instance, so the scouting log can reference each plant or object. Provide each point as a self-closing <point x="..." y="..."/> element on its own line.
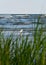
<point x="14" y="23"/>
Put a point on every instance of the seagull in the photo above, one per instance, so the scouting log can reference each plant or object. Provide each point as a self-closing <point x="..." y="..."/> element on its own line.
<point x="21" y="32"/>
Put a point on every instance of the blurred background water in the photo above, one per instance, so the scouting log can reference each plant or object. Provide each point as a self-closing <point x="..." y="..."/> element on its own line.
<point x="14" y="23"/>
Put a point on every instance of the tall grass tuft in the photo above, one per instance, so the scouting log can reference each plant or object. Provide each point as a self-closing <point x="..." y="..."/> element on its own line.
<point x="22" y="51"/>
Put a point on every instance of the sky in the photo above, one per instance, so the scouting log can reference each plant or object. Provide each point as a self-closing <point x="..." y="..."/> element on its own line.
<point x="22" y="6"/>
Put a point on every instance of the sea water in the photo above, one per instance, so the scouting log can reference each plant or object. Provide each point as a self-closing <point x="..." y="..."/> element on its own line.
<point x="13" y="23"/>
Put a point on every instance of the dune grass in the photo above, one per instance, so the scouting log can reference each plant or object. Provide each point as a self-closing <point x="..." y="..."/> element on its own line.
<point x="23" y="51"/>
